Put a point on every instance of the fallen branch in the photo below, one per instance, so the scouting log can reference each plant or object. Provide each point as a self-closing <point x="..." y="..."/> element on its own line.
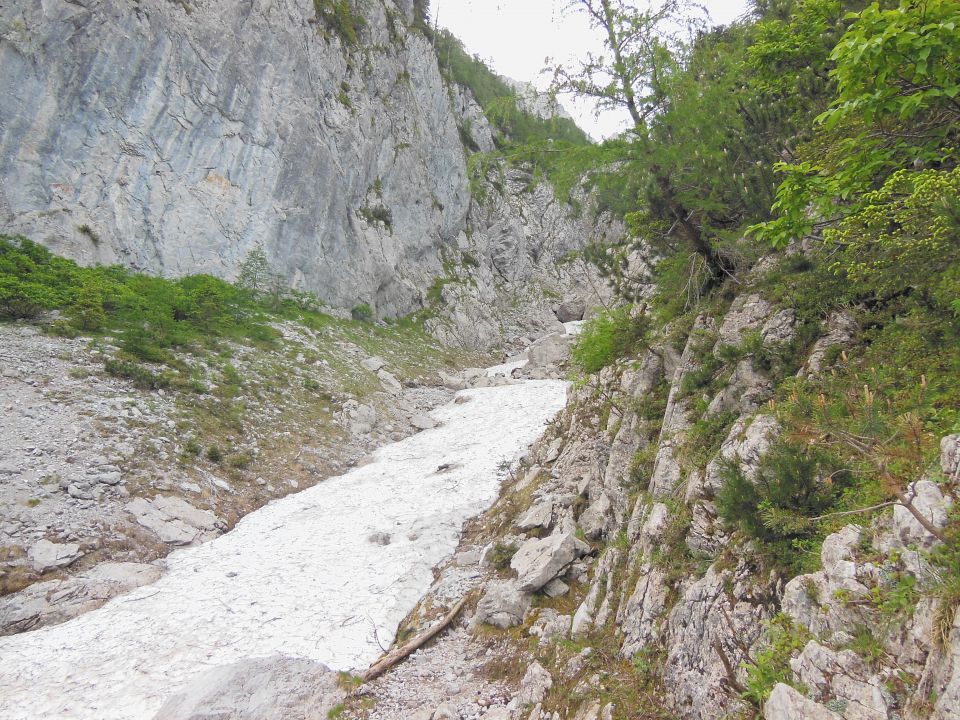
<point x="907" y="502"/>
<point x="855" y="512"/>
<point x="735" y="684"/>
<point x="395" y="657"/>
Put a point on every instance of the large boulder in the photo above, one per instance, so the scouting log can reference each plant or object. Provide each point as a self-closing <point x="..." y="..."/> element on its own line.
<point x="174" y="520"/>
<point x="538" y="561"/>
<point x="273" y="687"/>
<point x="553" y="349"/>
<point x="570" y="310"/>
<point x="45" y="555"/>
<point x="503" y="605"/>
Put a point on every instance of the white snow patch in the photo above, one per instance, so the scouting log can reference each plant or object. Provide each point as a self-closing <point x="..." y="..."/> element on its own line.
<point x="574" y="327"/>
<point x="509" y="366"/>
<point x="299" y="577"/>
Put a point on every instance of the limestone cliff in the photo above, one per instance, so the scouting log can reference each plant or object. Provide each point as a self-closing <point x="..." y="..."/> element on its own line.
<point x="176" y="137"/>
<point x="184" y="134"/>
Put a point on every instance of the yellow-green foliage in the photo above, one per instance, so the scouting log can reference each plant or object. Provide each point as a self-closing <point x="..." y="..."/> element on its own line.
<point x="611" y="335"/>
<point x="339" y="16"/>
<point x="905" y="233"/>
<point x="772" y="663"/>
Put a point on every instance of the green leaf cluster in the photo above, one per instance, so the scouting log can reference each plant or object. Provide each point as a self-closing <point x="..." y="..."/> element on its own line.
<point x="611" y="335"/>
<point x="895" y="112"/>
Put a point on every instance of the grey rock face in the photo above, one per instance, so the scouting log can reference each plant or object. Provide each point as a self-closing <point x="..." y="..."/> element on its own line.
<point x="533" y="688"/>
<point x="844" y="676"/>
<point x="277" y="687"/>
<point x="594" y="612"/>
<point x="174" y="520"/>
<point x="502" y="605"/>
<point x="842" y="328"/>
<point x="930" y="502"/>
<point x="643" y="610"/>
<point x="785" y="703"/>
<point x="45" y="555"/>
<point x="539" y="515"/>
<point x="748" y="312"/>
<point x="185" y="140"/>
<point x="538" y="561"/>
<point x="57" y="601"/>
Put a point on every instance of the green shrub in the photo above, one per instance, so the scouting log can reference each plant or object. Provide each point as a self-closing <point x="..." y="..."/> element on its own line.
<point x="501" y="555"/>
<point x="362" y="313"/>
<point x="794" y="483"/>
<point x="142" y="377"/>
<point x="611" y="335"/>
<point x="240" y="460"/>
<point x="945" y="561"/>
<point x="377" y="215"/>
<point x="706" y="436"/>
<point x="214" y="454"/>
<point x="87" y="310"/>
<point x="772" y="663"/>
<point x="339" y="16"/>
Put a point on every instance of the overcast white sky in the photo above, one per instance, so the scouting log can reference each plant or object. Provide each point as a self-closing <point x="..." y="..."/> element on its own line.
<point x="516" y="36"/>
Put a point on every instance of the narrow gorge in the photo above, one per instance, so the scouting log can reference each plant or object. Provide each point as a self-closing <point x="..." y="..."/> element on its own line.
<point x="341" y="377"/>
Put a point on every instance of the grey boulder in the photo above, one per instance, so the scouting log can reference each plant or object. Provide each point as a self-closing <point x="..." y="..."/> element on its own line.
<point x="503" y="605"/>
<point x="273" y="687"/>
<point x="538" y="561"/>
<point x="45" y="555"/>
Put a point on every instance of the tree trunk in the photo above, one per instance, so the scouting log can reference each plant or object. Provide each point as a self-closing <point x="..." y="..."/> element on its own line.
<point x="693" y="235"/>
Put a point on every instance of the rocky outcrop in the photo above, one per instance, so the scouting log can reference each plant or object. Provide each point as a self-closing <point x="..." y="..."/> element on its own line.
<point x="56" y="601"/>
<point x="273" y="687"/>
<point x="838" y="602"/>
<point x="45" y="555"/>
<point x="174" y="520"/>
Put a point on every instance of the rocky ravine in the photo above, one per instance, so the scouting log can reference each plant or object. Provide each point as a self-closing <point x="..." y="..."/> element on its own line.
<point x="323" y="575"/>
<point x="100" y="479"/>
<point x="582" y="589"/>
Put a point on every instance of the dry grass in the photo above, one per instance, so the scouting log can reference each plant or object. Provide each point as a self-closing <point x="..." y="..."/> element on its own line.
<point x="14" y="576"/>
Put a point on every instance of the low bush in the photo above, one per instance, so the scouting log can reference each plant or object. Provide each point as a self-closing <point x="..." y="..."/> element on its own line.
<point x="143" y="377"/>
<point x="501" y="555"/>
<point x="794" y="483"/>
<point x="362" y="313"/>
<point x="611" y="335"/>
<point x="772" y="664"/>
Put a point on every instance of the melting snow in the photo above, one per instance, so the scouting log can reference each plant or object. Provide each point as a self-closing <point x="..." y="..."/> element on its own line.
<point x="304" y="576"/>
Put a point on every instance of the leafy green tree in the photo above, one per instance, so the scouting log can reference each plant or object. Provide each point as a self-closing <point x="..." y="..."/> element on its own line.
<point x="709" y="120"/>
<point x="897" y="109"/>
<point x="87" y="310"/>
<point x="256" y="273"/>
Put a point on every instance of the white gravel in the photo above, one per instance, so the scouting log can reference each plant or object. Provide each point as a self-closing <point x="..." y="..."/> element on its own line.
<point x="306" y="576"/>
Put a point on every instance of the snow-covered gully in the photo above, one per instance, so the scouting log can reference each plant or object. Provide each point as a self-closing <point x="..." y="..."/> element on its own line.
<point x="323" y="574"/>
